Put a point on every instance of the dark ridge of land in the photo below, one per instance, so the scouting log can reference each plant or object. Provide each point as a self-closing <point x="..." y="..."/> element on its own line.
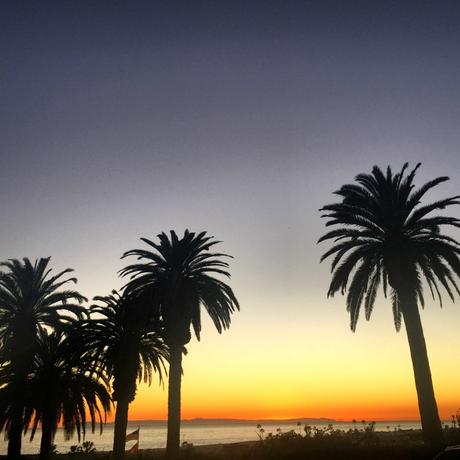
<point x="236" y="421"/>
<point x="199" y="420"/>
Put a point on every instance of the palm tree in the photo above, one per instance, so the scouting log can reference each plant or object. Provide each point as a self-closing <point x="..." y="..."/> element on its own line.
<point x="30" y="298"/>
<point x="124" y="340"/>
<point x="385" y="236"/>
<point x="177" y="272"/>
<point x="62" y="390"/>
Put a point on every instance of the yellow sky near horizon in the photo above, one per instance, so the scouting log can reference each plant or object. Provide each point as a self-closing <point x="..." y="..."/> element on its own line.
<point x="289" y="369"/>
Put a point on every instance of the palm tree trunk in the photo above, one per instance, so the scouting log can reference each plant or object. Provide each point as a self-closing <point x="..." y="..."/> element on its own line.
<point x="121" y="422"/>
<point x="22" y="343"/>
<point x="174" y="387"/>
<point x="47" y="438"/>
<point x="431" y="425"/>
<point x="15" y="435"/>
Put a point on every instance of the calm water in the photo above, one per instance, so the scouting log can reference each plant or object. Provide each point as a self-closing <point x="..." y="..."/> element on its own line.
<point x="153" y="434"/>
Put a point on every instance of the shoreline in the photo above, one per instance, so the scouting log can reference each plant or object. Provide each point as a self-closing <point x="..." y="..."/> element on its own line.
<point x="401" y="444"/>
<point x="395" y="439"/>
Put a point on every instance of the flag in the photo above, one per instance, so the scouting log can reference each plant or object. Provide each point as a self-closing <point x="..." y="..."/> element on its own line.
<point x="134" y="449"/>
<point x="134" y="436"/>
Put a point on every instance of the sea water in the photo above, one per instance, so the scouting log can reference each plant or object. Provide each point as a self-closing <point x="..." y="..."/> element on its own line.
<point x="153" y="433"/>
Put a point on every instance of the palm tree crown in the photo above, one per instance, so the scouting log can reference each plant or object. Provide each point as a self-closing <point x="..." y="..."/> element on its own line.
<point x="124" y="341"/>
<point x="29" y="298"/>
<point x="177" y="273"/>
<point x="64" y="390"/>
<point x="385" y="236"/>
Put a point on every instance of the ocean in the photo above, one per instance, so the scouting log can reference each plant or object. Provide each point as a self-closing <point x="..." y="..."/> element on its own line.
<point x="153" y="433"/>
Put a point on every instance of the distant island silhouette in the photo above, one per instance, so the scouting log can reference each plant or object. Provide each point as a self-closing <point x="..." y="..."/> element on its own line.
<point x="201" y="420"/>
<point x="303" y="420"/>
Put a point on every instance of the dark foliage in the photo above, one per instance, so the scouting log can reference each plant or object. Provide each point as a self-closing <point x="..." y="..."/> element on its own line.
<point x="385" y="237"/>
<point x="64" y="391"/>
<point x="124" y="341"/>
<point x="30" y="299"/>
<point x="177" y="274"/>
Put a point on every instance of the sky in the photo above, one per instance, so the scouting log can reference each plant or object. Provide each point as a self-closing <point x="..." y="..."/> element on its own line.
<point x="124" y="119"/>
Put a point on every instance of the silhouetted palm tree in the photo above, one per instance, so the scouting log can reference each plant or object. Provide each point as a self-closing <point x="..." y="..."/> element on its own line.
<point x="63" y="390"/>
<point x="29" y="299"/>
<point x="177" y="273"/>
<point x="385" y="236"/>
<point x="124" y="340"/>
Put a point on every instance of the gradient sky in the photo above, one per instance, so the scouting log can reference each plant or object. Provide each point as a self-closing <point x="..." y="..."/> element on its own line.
<point x="124" y="119"/>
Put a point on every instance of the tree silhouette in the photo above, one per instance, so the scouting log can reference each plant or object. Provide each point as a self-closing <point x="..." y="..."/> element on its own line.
<point x="62" y="390"/>
<point x="124" y="340"/>
<point x="30" y="298"/>
<point x="385" y="236"/>
<point x="177" y="274"/>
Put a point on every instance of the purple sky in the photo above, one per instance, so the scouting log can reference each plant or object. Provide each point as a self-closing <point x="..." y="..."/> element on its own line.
<point x="124" y="119"/>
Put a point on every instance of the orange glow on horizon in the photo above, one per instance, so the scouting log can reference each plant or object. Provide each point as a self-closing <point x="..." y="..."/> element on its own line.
<point x="156" y="409"/>
<point x="369" y="414"/>
<point x="341" y="376"/>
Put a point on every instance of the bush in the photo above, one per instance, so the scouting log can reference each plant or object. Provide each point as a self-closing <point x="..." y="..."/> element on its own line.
<point x="87" y="447"/>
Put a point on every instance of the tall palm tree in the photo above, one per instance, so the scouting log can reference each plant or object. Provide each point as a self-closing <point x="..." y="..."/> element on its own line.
<point x="124" y="340"/>
<point x="385" y="236"/>
<point x="177" y="272"/>
<point x="62" y="390"/>
<point x="30" y="298"/>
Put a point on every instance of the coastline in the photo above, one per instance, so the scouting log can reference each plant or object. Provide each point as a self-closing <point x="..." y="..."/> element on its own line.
<point x="411" y="438"/>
